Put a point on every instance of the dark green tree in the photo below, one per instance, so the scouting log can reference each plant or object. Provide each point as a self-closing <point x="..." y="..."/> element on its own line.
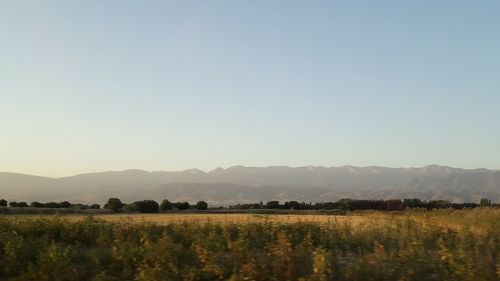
<point x="485" y="202"/>
<point x="181" y="205"/>
<point x="272" y="205"/>
<point x="292" y="205"/>
<point x="146" y="206"/>
<point x="37" y="205"/>
<point x="114" y="204"/>
<point x="132" y="207"/>
<point x="3" y="203"/>
<point x="201" y="205"/>
<point x="166" y="205"/>
<point x="52" y="205"/>
<point x="18" y="204"/>
<point x="65" y="204"/>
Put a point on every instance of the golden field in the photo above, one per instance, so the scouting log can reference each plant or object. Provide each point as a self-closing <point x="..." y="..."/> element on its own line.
<point x="416" y="245"/>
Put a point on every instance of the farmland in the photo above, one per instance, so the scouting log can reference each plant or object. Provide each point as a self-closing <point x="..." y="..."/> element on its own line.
<point x="169" y="218"/>
<point x="411" y="245"/>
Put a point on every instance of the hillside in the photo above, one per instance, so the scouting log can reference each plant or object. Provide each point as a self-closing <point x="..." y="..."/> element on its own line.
<point x="250" y="184"/>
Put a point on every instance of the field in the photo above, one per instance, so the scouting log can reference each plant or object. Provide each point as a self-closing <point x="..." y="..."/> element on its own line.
<point x="168" y="218"/>
<point x="410" y="245"/>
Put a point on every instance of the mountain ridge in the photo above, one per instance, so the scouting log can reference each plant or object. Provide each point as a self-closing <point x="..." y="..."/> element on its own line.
<point x="239" y="184"/>
<point x="236" y="167"/>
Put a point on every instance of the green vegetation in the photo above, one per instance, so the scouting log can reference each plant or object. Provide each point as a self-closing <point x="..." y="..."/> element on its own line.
<point x="166" y="205"/>
<point x="151" y="206"/>
<point x="201" y="205"/>
<point x="439" y="245"/>
<point x="114" y="204"/>
<point x="144" y="206"/>
<point x="18" y="204"/>
<point x="363" y="204"/>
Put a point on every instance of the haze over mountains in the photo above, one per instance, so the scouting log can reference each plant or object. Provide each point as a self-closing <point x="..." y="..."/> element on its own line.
<point x="240" y="184"/>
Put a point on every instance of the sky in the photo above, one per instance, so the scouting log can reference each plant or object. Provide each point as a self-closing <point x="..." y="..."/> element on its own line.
<point x="171" y="85"/>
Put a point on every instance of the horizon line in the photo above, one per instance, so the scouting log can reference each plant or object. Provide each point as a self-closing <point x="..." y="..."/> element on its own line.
<point x="243" y="166"/>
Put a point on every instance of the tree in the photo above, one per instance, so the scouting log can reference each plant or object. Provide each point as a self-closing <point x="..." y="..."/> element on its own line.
<point x="292" y="205"/>
<point x="146" y="206"/>
<point x="95" y="206"/>
<point x="181" y="205"/>
<point x="37" y="204"/>
<point x="129" y="208"/>
<point x="166" y="205"/>
<point x="201" y="205"/>
<point x="114" y="204"/>
<point x="345" y="203"/>
<point x="394" y="205"/>
<point x="485" y="202"/>
<point x="438" y="204"/>
<point x="22" y="205"/>
<point x="52" y="205"/>
<point x="3" y="203"/>
<point x="65" y="204"/>
<point x="18" y="204"/>
<point x="272" y="205"/>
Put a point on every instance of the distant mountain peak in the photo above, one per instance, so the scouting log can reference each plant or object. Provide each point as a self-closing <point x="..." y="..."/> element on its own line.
<point x="217" y="170"/>
<point x="194" y="171"/>
<point x="244" y="184"/>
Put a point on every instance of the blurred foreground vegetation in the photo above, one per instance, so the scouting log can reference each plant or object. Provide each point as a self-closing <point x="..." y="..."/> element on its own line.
<point x="413" y="245"/>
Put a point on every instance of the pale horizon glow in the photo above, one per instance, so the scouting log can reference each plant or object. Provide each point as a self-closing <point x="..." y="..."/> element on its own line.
<point x="89" y="86"/>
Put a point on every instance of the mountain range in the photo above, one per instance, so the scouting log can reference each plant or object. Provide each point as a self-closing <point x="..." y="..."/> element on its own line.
<point x="239" y="184"/>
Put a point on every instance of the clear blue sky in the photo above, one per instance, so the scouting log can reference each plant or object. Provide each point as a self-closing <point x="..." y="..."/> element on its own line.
<point x="169" y="85"/>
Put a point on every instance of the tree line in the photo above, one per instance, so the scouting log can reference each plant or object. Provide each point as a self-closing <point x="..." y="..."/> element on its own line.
<point x="151" y="206"/>
<point x="363" y="204"/>
<point x="113" y="204"/>
<point x="50" y="205"/>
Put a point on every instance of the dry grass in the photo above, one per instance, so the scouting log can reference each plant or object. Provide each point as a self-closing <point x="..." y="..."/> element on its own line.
<point x="479" y="220"/>
<point x="413" y="245"/>
<point x="210" y="218"/>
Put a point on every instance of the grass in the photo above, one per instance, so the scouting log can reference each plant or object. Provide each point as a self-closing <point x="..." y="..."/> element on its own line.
<point x="410" y="246"/>
<point x="477" y="219"/>
<point x="164" y="219"/>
